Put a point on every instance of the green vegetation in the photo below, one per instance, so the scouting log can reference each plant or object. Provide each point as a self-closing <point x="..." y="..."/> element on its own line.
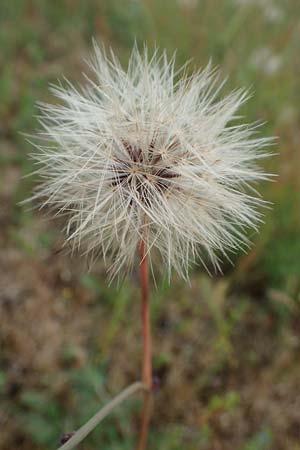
<point x="226" y="348"/>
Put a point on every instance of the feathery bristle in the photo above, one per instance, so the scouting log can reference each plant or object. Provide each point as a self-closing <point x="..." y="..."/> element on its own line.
<point x="136" y="155"/>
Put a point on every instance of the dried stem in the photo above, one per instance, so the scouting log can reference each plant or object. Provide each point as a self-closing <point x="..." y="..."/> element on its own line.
<point x="147" y="361"/>
<point x="101" y="414"/>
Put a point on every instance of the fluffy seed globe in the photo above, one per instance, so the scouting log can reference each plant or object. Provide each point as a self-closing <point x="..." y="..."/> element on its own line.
<point x="150" y="154"/>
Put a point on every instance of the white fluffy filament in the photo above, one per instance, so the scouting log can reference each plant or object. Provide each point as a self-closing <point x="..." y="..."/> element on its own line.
<point x="146" y="154"/>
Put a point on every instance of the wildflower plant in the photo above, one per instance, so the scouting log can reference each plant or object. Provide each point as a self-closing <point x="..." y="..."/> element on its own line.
<point x="148" y="164"/>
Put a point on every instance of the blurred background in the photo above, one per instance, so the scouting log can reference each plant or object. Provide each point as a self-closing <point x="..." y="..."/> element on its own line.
<point x="226" y="348"/>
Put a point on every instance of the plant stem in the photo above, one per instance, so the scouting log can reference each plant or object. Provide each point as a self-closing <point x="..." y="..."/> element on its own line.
<point x="147" y="361"/>
<point x="145" y="385"/>
<point x="100" y="415"/>
<point x="146" y="415"/>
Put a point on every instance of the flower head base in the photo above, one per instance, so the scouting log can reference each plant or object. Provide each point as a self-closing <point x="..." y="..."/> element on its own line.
<point x="137" y="155"/>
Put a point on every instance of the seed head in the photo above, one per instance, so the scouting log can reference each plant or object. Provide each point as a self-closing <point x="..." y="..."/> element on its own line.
<point x="151" y="154"/>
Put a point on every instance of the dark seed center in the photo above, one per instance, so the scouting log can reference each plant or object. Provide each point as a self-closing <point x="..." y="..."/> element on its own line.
<point x="149" y="171"/>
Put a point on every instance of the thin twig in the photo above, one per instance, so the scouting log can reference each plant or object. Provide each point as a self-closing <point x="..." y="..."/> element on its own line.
<point x="101" y="414"/>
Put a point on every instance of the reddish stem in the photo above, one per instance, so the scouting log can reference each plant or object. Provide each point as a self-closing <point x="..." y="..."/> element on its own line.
<point x="147" y="361"/>
<point x="144" y="273"/>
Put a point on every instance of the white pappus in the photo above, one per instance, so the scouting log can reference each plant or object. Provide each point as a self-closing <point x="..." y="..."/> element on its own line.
<point x="150" y="153"/>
